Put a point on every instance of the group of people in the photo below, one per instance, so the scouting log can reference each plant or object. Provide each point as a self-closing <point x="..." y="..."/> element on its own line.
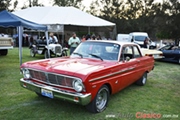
<point x="74" y="41"/>
<point x="90" y="37"/>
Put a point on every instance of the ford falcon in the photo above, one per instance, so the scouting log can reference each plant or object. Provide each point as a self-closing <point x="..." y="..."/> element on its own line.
<point x="93" y="72"/>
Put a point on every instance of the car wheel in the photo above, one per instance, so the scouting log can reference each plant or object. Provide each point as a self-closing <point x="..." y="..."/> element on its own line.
<point x="142" y="80"/>
<point x="46" y="56"/>
<point x="99" y="103"/>
<point x="64" y="53"/>
<point x="32" y="53"/>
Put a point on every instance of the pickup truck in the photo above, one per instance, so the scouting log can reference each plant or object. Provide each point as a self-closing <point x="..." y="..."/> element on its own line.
<point x="5" y="44"/>
<point x="93" y="72"/>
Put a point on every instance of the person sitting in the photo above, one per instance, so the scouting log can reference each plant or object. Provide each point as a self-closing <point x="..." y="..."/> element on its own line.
<point x="52" y="39"/>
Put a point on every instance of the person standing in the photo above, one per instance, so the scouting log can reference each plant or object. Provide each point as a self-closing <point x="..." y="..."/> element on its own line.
<point x="146" y="42"/>
<point x="73" y="42"/>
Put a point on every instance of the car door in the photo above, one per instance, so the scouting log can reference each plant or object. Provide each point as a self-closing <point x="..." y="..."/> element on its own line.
<point x="176" y="54"/>
<point x="167" y="52"/>
<point x="129" y="68"/>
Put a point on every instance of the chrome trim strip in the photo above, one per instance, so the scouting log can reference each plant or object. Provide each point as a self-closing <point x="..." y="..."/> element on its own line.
<point x="111" y="74"/>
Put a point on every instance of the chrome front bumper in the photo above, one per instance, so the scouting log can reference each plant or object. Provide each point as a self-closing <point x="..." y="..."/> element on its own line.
<point x="78" y="98"/>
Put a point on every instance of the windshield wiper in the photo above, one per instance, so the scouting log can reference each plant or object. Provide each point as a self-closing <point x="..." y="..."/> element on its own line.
<point x="96" y="56"/>
<point x="78" y="54"/>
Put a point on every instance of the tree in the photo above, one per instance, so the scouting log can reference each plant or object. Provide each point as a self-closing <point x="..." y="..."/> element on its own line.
<point x="4" y="4"/>
<point x="32" y="3"/>
<point x="161" y="19"/>
<point x="75" y="3"/>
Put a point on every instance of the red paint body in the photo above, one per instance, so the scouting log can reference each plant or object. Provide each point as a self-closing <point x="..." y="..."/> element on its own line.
<point x="94" y="72"/>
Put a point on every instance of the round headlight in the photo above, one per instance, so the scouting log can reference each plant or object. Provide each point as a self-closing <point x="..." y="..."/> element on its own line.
<point x="26" y="73"/>
<point x="78" y="85"/>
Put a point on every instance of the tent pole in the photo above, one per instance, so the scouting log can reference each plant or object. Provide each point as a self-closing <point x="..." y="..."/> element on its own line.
<point x="47" y="41"/>
<point x="20" y="33"/>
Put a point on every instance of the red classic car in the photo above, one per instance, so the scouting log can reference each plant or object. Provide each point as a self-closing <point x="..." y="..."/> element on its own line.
<point x="94" y="71"/>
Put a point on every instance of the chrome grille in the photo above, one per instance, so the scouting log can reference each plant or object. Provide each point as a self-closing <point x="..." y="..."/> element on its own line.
<point x="52" y="79"/>
<point x="57" y="49"/>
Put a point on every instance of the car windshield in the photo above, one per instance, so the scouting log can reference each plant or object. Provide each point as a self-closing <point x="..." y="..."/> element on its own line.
<point x="140" y="38"/>
<point x="97" y="50"/>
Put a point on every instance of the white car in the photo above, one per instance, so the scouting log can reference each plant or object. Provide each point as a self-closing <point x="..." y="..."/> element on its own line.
<point x="154" y="53"/>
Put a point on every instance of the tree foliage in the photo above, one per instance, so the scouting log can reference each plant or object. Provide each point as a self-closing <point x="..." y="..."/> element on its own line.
<point x="4" y="4"/>
<point x="75" y="3"/>
<point x="158" y="19"/>
<point x="32" y="3"/>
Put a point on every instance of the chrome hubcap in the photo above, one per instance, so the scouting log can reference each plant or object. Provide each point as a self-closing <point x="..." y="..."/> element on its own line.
<point x="101" y="99"/>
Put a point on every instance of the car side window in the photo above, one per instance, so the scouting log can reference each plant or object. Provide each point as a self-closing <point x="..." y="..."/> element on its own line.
<point x="137" y="53"/>
<point x="126" y="53"/>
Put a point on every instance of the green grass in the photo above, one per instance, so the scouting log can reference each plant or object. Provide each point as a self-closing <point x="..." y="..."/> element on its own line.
<point x="160" y="95"/>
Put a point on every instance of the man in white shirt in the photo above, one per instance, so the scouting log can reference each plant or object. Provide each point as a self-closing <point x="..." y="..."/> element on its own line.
<point x="73" y="42"/>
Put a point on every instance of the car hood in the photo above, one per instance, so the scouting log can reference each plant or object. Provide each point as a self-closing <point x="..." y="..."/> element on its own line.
<point x="69" y="66"/>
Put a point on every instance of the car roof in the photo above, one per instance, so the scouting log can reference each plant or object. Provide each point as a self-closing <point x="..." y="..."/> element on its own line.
<point x="113" y="41"/>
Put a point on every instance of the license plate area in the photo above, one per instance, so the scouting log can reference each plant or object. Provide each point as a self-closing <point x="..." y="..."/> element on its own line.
<point x="155" y="56"/>
<point x="47" y="93"/>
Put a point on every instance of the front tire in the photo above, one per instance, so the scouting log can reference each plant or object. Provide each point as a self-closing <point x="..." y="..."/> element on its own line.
<point x="46" y="55"/>
<point x="142" y="80"/>
<point x="64" y="53"/>
<point x="99" y="103"/>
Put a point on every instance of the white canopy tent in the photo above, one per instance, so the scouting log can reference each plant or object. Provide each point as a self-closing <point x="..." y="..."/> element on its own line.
<point x="57" y="18"/>
<point x="62" y="16"/>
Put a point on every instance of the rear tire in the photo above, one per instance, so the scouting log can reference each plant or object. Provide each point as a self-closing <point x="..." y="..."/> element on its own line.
<point x="142" y="80"/>
<point x="99" y="103"/>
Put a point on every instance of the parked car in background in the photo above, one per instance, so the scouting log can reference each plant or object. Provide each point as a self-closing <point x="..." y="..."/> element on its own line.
<point x="171" y="53"/>
<point x="139" y="37"/>
<point x="123" y="37"/>
<point x="41" y="47"/>
<point x="5" y="44"/>
<point x="94" y="71"/>
<point x="156" y="54"/>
